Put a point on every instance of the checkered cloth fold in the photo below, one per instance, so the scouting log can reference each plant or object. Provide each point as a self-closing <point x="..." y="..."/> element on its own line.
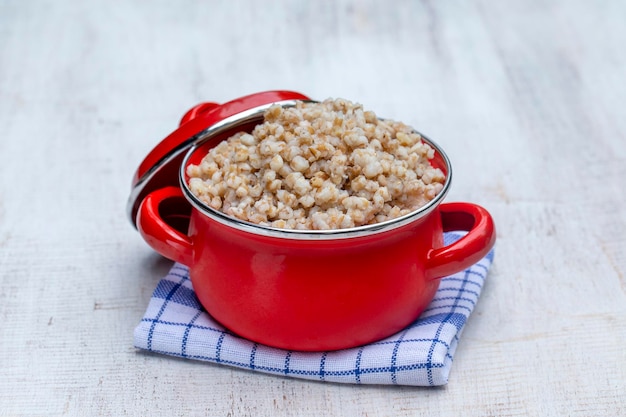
<point x="420" y="355"/>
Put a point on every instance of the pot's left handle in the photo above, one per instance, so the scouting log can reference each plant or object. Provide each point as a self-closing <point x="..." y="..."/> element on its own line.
<point x="162" y="220"/>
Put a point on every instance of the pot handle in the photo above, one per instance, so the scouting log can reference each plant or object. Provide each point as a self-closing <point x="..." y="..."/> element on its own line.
<point x="162" y="221"/>
<point x="469" y="249"/>
<point x="196" y="110"/>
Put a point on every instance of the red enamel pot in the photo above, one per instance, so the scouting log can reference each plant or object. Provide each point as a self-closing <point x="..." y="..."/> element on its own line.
<point x="309" y="290"/>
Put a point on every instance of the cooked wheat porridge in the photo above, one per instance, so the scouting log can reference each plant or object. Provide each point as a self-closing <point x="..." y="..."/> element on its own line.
<point x="327" y="165"/>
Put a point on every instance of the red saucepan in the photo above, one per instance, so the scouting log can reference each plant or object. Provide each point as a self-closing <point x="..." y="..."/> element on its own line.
<point x="303" y="290"/>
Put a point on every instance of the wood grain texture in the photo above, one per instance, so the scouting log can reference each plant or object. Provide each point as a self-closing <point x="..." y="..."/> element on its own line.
<point x="526" y="97"/>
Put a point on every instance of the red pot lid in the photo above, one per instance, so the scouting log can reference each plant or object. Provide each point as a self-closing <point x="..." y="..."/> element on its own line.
<point x="160" y="167"/>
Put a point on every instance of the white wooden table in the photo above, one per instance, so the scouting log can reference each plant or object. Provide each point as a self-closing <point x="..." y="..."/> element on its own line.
<point x="526" y="97"/>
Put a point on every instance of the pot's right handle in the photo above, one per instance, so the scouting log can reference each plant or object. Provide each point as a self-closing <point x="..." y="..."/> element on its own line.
<point x="469" y="249"/>
<point x="162" y="221"/>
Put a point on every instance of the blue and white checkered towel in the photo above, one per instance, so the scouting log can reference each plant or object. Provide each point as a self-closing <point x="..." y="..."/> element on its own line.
<point x="420" y="355"/>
